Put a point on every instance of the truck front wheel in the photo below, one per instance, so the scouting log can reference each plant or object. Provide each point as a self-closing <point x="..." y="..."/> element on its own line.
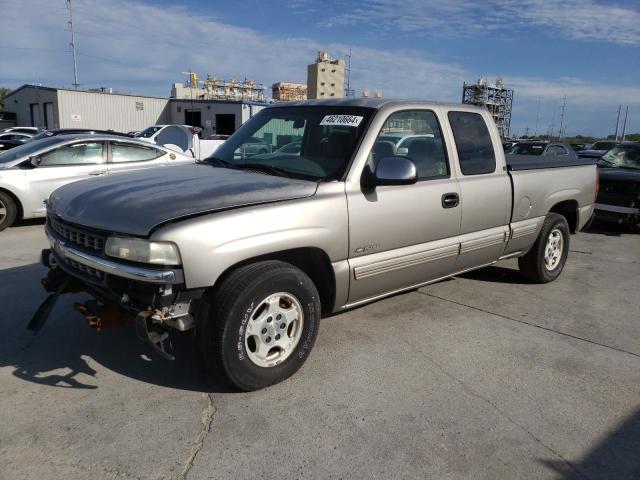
<point x="260" y="324"/>
<point x="546" y="259"/>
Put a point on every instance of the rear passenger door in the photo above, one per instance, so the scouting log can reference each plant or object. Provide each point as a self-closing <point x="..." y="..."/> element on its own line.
<point x="404" y="235"/>
<point x="125" y="156"/>
<point x="485" y="190"/>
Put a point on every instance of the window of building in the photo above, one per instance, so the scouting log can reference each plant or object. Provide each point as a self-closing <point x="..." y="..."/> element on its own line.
<point x="333" y="70"/>
<point x="322" y="83"/>
<point x="414" y="134"/>
<point x="321" y="93"/>
<point x="333" y="94"/>
<point x="322" y="70"/>
<point x="473" y="142"/>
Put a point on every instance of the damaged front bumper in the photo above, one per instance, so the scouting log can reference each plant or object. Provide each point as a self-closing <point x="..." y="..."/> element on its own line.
<point x="155" y="299"/>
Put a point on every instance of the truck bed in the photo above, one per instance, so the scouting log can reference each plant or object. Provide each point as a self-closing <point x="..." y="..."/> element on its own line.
<point x="535" y="162"/>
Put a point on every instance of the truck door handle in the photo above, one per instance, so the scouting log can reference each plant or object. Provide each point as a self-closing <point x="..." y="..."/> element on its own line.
<point x="98" y="172"/>
<point x="450" y="200"/>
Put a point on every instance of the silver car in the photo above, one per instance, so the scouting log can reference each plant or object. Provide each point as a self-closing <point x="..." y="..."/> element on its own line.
<point x="30" y="172"/>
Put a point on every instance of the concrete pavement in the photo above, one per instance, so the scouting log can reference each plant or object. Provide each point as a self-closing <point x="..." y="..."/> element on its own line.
<point x="480" y="377"/>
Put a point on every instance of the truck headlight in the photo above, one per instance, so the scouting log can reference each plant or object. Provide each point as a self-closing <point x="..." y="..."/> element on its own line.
<point x="143" y="251"/>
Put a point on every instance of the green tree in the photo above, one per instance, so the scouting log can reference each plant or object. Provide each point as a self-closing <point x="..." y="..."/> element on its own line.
<point x="3" y="93"/>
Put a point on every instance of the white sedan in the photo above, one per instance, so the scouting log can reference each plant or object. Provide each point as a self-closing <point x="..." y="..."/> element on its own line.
<point x="30" y="172"/>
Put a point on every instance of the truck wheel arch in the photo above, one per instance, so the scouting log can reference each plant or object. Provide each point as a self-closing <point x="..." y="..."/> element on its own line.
<point x="312" y="261"/>
<point x="15" y="198"/>
<point x="569" y="210"/>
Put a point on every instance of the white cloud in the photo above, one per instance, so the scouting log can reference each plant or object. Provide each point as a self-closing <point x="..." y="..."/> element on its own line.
<point x="142" y="48"/>
<point x="574" y="19"/>
<point x="147" y="47"/>
<point x="583" y="19"/>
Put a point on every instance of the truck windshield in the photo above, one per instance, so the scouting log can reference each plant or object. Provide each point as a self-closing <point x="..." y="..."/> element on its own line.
<point x="621" y="157"/>
<point x="322" y="141"/>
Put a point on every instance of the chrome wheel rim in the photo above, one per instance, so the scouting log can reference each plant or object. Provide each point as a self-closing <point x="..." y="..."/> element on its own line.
<point x="553" y="249"/>
<point x="3" y="211"/>
<point x="274" y="329"/>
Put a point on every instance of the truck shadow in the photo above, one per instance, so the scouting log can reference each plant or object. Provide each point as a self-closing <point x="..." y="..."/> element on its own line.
<point x="496" y="274"/>
<point x="615" y="457"/>
<point x="608" y="229"/>
<point x="66" y="350"/>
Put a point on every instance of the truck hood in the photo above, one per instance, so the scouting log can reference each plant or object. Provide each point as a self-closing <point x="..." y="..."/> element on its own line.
<point x="137" y="202"/>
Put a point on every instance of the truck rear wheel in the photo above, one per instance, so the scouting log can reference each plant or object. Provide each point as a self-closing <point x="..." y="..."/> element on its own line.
<point x="8" y="211"/>
<point x="546" y="259"/>
<point x="260" y="325"/>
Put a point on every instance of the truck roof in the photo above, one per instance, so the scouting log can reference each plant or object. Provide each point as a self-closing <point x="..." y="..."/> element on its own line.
<point x="376" y="103"/>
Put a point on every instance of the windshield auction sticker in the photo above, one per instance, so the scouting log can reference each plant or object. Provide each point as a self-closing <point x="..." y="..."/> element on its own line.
<point x="345" y="120"/>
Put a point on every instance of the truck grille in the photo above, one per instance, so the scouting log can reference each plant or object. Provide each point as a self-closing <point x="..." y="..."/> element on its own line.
<point x="84" y="269"/>
<point x="77" y="235"/>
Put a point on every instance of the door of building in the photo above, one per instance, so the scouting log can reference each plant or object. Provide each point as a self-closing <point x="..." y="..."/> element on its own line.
<point x="225" y="123"/>
<point x="193" y="118"/>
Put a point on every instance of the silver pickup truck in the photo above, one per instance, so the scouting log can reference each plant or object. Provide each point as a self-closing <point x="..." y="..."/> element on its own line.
<point x="249" y="250"/>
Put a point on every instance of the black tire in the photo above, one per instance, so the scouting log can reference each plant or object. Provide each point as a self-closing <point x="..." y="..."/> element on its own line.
<point x="533" y="265"/>
<point x="8" y="211"/>
<point x="225" y="314"/>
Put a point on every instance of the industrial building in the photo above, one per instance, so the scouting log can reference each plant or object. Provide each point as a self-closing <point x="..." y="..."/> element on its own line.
<point x="214" y="88"/>
<point x="495" y="98"/>
<point x="325" y="77"/>
<point x="49" y="107"/>
<point x="288" y="92"/>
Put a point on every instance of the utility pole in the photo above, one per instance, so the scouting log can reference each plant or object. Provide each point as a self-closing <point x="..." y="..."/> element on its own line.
<point x="553" y="122"/>
<point x="73" y="45"/>
<point x="535" y="132"/>
<point x="624" y="124"/>
<point x="561" y="131"/>
<point x="618" y="122"/>
<point x="348" y="92"/>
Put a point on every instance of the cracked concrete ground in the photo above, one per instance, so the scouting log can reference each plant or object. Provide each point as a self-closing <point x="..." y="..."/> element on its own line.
<point x="480" y="377"/>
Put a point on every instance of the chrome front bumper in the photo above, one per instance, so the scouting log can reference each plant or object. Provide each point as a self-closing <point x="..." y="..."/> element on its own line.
<point x="63" y="251"/>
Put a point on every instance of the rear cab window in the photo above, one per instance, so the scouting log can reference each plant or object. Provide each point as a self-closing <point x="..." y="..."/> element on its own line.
<point x="473" y="143"/>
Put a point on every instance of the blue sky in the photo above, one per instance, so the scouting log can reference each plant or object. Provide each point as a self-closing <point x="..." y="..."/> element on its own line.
<point x="544" y="49"/>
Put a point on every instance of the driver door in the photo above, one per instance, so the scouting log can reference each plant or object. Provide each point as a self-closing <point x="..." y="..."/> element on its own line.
<point x="405" y="235"/>
<point x="62" y="165"/>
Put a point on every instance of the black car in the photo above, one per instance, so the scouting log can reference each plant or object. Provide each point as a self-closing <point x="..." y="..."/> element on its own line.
<point x="74" y="131"/>
<point x="598" y="149"/>
<point x="619" y="195"/>
<point x="7" y="144"/>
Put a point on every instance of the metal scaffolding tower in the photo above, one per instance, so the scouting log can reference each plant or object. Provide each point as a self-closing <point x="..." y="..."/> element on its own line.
<point x="495" y="98"/>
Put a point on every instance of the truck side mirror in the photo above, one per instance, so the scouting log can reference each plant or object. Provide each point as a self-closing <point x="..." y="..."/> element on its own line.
<point x="395" y="171"/>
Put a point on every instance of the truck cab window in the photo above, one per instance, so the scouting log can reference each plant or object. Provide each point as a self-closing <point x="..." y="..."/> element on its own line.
<point x="414" y="134"/>
<point x="473" y="142"/>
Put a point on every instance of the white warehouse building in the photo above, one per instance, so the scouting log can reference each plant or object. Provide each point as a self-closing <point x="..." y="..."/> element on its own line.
<point x="49" y="107"/>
